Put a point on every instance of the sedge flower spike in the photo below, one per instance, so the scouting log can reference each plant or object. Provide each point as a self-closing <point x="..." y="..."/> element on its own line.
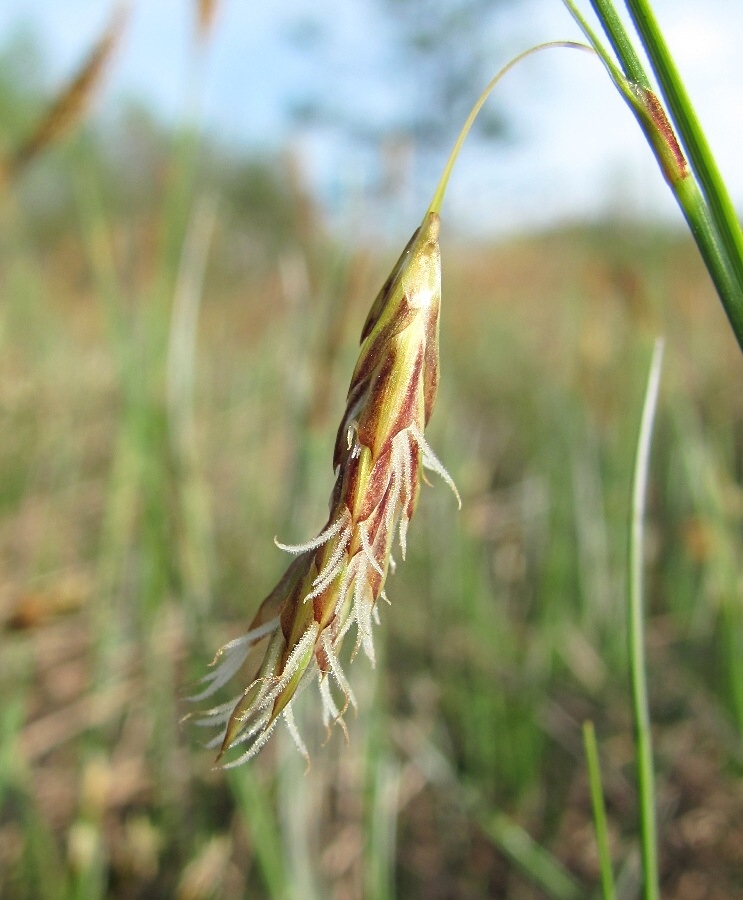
<point x="336" y="579"/>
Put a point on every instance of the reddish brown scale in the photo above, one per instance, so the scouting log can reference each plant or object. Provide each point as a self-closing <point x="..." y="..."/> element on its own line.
<point x="288" y="613"/>
<point x="431" y="364"/>
<point x="408" y="411"/>
<point x="354" y="404"/>
<point x="377" y="526"/>
<point x="381" y="298"/>
<point x="321" y="657"/>
<point x="324" y="614"/>
<point x="377" y="485"/>
<point x="382" y="387"/>
<point x="370" y="356"/>
<point x="658" y="115"/>
<point x="415" y="482"/>
<point x="406" y="404"/>
<point x="289" y="582"/>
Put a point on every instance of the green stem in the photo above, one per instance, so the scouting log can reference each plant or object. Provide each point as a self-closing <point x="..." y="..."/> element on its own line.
<point x="645" y="775"/>
<point x="620" y="41"/>
<point x="438" y="196"/>
<point x="713" y="250"/>
<point x="697" y="186"/>
<point x="615" y="73"/>
<point x="692" y="137"/>
<point x="540" y="866"/>
<point x="599" y="811"/>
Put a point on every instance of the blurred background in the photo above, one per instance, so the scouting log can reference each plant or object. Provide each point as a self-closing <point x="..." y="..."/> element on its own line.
<point x="198" y="203"/>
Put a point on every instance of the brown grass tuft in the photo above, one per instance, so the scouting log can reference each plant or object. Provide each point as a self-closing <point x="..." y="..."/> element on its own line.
<point x="73" y="100"/>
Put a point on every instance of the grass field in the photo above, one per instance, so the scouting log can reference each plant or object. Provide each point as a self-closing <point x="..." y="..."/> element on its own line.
<point x="177" y="333"/>
<point x="168" y="405"/>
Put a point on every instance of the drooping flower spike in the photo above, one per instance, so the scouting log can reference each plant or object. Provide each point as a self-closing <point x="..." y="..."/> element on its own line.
<point x="336" y="579"/>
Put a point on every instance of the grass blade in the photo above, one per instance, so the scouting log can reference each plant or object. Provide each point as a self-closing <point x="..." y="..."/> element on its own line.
<point x="690" y="131"/>
<point x="646" y="778"/>
<point x="620" y="41"/>
<point x="599" y="811"/>
<point x="255" y="809"/>
<point x="696" y="184"/>
<point x="195" y="538"/>
<point x="540" y="866"/>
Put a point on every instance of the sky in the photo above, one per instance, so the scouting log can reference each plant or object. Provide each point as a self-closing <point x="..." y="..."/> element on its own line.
<point x="575" y="151"/>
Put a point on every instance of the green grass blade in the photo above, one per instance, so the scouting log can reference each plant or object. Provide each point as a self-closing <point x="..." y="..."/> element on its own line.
<point x="690" y="132"/>
<point x="382" y="827"/>
<point x="256" y="809"/>
<point x="620" y="41"/>
<point x="195" y="538"/>
<point x="617" y="76"/>
<point x="696" y="183"/>
<point x="646" y="778"/>
<point x="599" y="811"/>
<point x="541" y="867"/>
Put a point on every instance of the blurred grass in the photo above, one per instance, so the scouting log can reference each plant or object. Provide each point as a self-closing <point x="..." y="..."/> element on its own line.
<point x="168" y="404"/>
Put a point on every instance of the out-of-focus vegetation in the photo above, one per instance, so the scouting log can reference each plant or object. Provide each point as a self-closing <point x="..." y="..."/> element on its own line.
<point x="177" y="331"/>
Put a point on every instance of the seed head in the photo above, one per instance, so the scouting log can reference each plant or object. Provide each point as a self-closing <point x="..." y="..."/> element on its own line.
<point x="336" y="579"/>
<point x="72" y="101"/>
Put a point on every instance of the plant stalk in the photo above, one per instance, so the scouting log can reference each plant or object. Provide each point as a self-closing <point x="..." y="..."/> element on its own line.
<point x="636" y="633"/>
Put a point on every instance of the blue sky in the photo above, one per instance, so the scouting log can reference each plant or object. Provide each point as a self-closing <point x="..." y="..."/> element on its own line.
<point x="576" y="152"/>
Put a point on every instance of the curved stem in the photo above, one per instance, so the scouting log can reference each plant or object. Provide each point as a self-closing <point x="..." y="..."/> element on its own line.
<point x="636" y="632"/>
<point x="438" y="195"/>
